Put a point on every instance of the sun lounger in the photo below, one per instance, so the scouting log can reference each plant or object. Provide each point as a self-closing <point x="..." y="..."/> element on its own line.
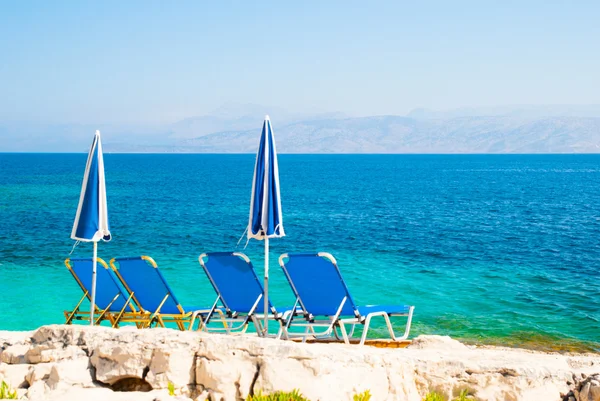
<point x="326" y="302"/>
<point x="152" y="295"/>
<point x="112" y="301"/>
<point x="239" y="292"/>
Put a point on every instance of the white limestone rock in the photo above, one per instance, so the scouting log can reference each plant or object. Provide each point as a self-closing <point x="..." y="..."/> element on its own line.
<point x="437" y="342"/>
<point x="14" y="375"/>
<point x="81" y="362"/>
<point x="38" y="372"/>
<point x="14" y="354"/>
<point x="71" y="373"/>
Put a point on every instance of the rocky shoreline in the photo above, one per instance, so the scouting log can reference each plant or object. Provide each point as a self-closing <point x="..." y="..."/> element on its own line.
<point x="95" y="363"/>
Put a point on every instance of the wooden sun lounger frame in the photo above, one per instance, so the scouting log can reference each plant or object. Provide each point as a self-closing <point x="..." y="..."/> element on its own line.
<point x="145" y="318"/>
<point x="99" y="314"/>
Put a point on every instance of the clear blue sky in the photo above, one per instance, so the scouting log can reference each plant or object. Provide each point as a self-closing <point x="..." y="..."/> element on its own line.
<point x="150" y="61"/>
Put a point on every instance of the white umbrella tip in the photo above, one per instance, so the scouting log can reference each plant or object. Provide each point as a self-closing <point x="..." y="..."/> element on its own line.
<point x="267" y="118"/>
<point x="97" y="132"/>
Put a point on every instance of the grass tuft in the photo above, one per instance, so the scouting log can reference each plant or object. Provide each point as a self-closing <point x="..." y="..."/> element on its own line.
<point x="278" y="396"/>
<point x="364" y="396"/>
<point x="433" y="396"/>
<point x="6" y="393"/>
<point x="463" y="396"/>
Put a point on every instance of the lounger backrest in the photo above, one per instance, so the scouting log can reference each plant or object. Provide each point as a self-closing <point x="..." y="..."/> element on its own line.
<point x="107" y="285"/>
<point x="141" y="276"/>
<point x="233" y="278"/>
<point x="318" y="284"/>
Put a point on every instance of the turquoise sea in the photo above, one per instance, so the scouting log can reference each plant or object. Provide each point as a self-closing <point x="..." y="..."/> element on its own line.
<point x="490" y="249"/>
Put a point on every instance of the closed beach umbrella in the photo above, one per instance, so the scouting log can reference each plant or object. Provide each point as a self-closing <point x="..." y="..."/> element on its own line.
<point x="265" y="202"/>
<point x="91" y="220"/>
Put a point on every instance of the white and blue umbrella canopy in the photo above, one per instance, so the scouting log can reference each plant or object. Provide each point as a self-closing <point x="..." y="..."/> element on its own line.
<point x="266" y="220"/>
<point x="265" y="203"/>
<point x="91" y="220"/>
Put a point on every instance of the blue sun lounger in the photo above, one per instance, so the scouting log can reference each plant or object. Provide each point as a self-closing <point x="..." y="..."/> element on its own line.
<point x="152" y="295"/>
<point x="326" y="302"/>
<point x="239" y="292"/>
<point x="112" y="301"/>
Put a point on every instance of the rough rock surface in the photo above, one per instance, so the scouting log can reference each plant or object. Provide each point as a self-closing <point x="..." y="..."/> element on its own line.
<point x="95" y="363"/>
<point x="584" y="388"/>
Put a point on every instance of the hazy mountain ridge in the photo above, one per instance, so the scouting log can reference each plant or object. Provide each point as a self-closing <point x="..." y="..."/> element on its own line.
<point x="394" y="134"/>
<point x="238" y="117"/>
<point x="235" y="128"/>
<point x="530" y="112"/>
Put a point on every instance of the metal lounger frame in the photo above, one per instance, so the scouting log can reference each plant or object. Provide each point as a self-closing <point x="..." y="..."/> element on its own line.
<point x="336" y="321"/>
<point x="231" y="318"/>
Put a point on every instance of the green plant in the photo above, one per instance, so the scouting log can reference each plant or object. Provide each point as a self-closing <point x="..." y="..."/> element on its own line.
<point x="278" y="396"/>
<point x="463" y="396"/>
<point x="171" y="388"/>
<point x="433" y="396"/>
<point x="364" y="396"/>
<point x="6" y="393"/>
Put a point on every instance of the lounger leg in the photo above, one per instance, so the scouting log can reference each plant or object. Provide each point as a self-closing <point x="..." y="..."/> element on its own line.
<point x="72" y="315"/>
<point x="408" y="323"/>
<point x="193" y="319"/>
<point x="351" y="334"/>
<point x="363" y="338"/>
<point x="367" y="324"/>
<point x="335" y="334"/>
<point x="280" y="331"/>
<point x="116" y="322"/>
<point x="308" y="330"/>
<point x="156" y="316"/>
<point x="258" y="326"/>
<point x="283" y="322"/>
<point x="389" y="326"/>
<point x="343" y="330"/>
<point x="212" y="309"/>
<point x="105" y="311"/>
<point x="406" y="330"/>
<point x="222" y="317"/>
<point x="290" y="316"/>
<point x="335" y="320"/>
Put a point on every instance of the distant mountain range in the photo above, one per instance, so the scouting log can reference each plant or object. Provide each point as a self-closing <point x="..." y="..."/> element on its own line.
<point x="235" y="129"/>
<point x="394" y="134"/>
<point x="523" y="111"/>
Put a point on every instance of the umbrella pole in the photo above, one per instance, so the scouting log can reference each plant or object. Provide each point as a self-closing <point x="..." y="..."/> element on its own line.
<point x="266" y="326"/>
<point x="93" y="300"/>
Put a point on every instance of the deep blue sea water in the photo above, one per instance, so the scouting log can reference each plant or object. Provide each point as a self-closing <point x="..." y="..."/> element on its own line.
<point x="493" y="249"/>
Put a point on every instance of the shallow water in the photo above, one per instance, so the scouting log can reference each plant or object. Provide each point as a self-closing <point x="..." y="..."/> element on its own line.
<point x="495" y="249"/>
